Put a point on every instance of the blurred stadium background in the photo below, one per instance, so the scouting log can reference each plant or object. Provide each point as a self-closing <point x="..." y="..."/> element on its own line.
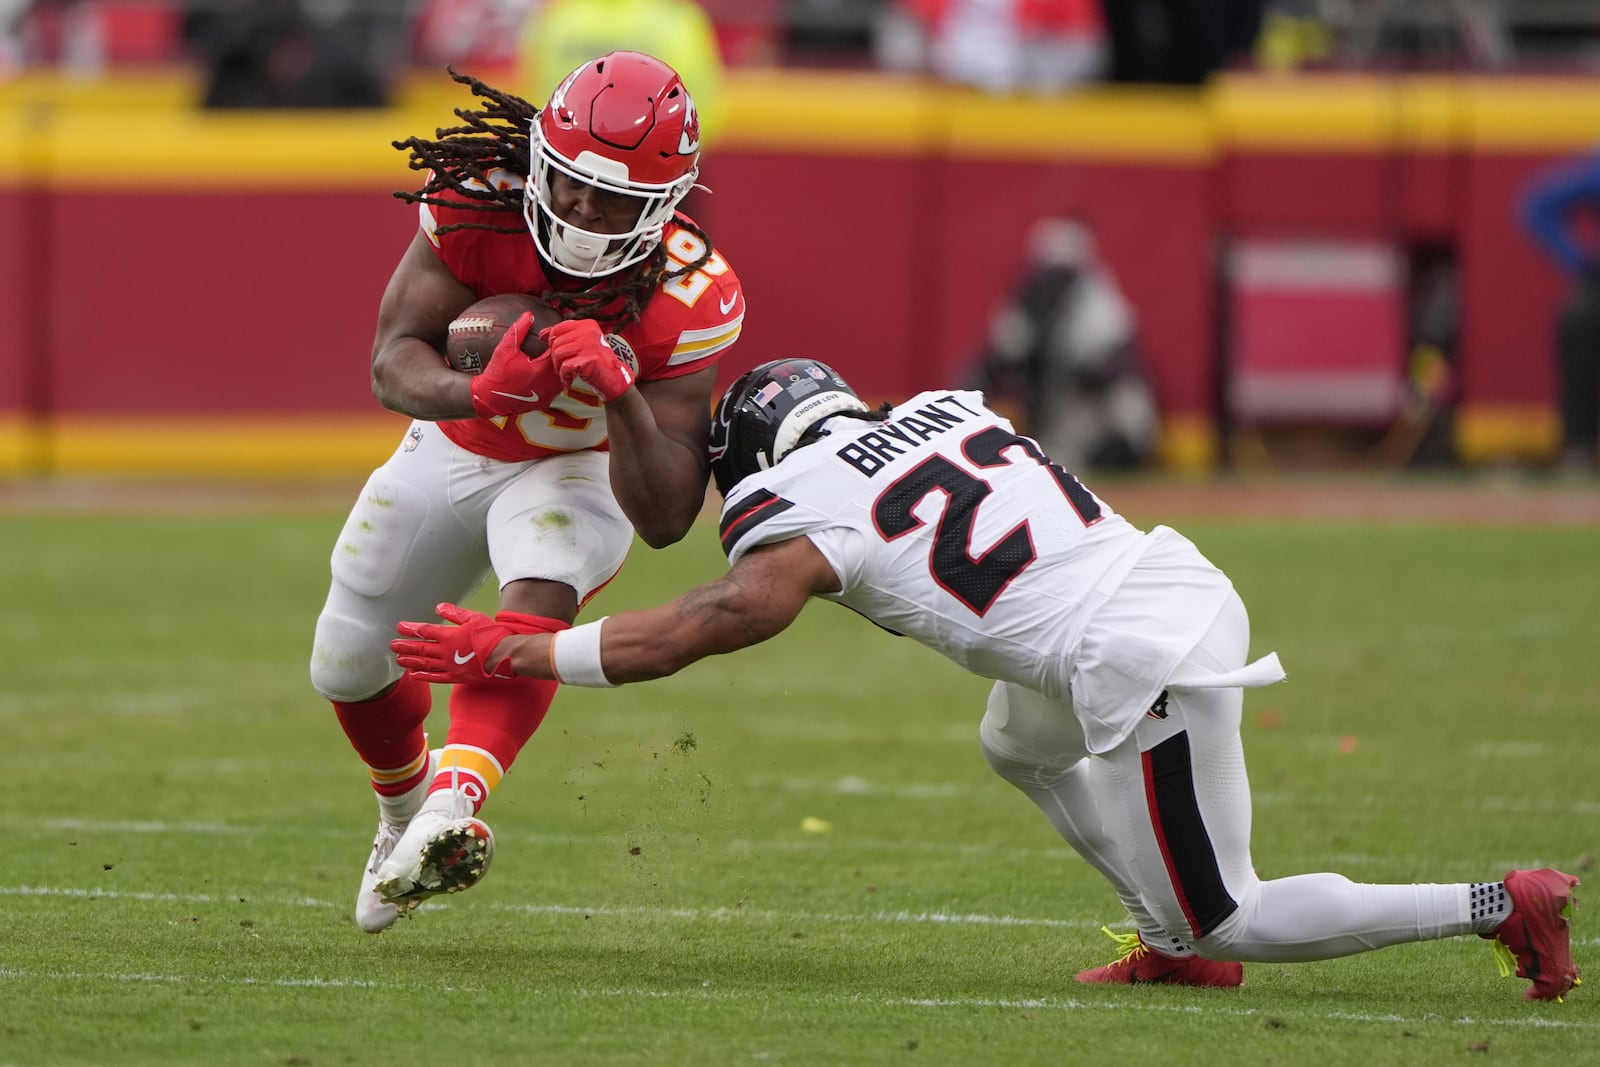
<point x="1314" y="225"/>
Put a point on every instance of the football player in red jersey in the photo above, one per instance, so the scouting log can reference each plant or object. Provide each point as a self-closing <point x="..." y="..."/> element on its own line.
<point x="537" y="470"/>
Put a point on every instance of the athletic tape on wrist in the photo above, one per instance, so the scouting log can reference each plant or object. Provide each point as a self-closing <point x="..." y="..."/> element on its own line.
<point x="575" y="656"/>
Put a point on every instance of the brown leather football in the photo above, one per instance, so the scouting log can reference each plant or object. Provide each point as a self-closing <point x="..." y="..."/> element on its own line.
<point x="472" y="336"/>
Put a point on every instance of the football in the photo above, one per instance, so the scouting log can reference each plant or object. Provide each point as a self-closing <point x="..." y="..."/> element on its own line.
<point x="471" y="338"/>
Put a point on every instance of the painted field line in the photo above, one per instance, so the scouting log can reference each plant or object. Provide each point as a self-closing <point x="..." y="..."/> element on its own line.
<point x="161" y="898"/>
<point x="14" y="974"/>
<point x="935" y="918"/>
<point x="830" y="843"/>
<point x="852" y="785"/>
<point x="835" y="843"/>
<point x="145" y="826"/>
<point x="763" y="999"/>
<point x="722" y="914"/>
<point x="1068" y="1004"/>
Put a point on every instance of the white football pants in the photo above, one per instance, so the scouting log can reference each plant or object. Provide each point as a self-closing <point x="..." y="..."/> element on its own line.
<point x="1165" y="817"/>
<point x="431" y="524"/>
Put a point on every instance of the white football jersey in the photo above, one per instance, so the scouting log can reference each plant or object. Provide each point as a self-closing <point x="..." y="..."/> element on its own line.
<point x="945" y="525"/>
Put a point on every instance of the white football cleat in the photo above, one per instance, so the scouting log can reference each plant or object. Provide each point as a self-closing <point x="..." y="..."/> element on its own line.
<point x="445" y="849"/>
<point x="373" y="914"/>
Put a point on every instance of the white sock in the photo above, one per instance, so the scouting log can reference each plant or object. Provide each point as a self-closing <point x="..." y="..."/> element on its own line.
<point x="1489" y="905"/>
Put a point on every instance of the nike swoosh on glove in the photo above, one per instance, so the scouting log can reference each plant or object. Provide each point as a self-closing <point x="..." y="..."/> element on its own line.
<point x="463" y="652"/>
<point x="580" y="351"/>
<point x="506" y="385"/>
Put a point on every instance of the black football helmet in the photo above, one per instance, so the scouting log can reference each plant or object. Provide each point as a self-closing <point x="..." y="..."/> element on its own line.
<point x="763" y="415"/>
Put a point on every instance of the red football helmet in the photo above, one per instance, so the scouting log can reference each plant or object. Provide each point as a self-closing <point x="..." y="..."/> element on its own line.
<point x="625" y="123"/>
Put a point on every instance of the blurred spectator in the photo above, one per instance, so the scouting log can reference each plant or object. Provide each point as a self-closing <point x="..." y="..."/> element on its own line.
<point x="67" y="33"/>
<point x="560" y="35"/>
<point x="1292" y="36"/>
<point x="749" y="32"/>
<point x="275" y="54"/>
<point x="1178" y="41"/>
<point x="1000" y="46"/>
<point x="1062" y="357"/>
<point x="1423" y="432"/>
<point x="828" y="33"/>
<point x="86" y="38"/>
<point x="477" y="37"/>
<point x="13" y="50"/>
<point x="1561" y="209"/>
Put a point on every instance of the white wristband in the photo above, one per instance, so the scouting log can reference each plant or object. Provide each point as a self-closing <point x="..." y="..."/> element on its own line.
<point x="575" y="656"/>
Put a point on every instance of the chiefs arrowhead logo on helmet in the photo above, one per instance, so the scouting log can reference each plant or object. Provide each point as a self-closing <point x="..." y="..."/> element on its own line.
<point x="689" y="140"/>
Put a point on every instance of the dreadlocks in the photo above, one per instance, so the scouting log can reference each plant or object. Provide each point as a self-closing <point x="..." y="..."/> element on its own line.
<point x="460" y="161"/>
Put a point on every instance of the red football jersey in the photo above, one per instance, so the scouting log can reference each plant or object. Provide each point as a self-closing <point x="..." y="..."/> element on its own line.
<point x="684" y="327"/>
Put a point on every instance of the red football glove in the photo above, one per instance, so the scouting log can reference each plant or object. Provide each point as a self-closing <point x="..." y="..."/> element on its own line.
<point x="579" y="351"/>
<point x="506" y="385"/>
<point x="459" y="653"/>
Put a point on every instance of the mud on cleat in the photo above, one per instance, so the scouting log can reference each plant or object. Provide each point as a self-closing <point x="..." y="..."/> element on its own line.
<point x="1138" y="965"/>
<point x="1536" y="938"/>
<point x="445" y="855"/>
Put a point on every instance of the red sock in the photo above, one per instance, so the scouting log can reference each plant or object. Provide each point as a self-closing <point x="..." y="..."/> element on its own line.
<point x="387" y="733"/>
<point x="490" y="721"/>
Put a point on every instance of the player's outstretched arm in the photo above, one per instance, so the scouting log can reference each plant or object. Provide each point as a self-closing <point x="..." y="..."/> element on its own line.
<point x="757" y="599"/>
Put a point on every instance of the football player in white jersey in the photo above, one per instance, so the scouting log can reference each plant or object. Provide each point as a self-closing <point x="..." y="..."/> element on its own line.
<point x="1119" y="658"/>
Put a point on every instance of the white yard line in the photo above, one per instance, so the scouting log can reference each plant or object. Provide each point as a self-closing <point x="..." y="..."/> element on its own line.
<point x="938" y="918"/>
<point x="16" y="974"/>
<point x="144" y="826"/>
<point x="721" y="914"/>
<point x="171" y="898"/>
<point x="755" y="915"/>
<point x="852" y="785"/>
<point x="1460" y="869"/>
<point x="763" y="999"/>
<point x="808" y="843"/>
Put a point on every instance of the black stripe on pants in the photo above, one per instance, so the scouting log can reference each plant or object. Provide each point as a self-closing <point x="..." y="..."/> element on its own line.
<point x="1181" y="833"/>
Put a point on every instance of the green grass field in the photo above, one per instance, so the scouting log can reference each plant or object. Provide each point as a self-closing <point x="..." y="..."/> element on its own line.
<point x="185" y="824"/>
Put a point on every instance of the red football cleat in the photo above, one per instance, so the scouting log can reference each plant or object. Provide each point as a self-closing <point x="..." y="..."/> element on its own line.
<point x="1138" y="965"/>
<point x="1536" y="936"/>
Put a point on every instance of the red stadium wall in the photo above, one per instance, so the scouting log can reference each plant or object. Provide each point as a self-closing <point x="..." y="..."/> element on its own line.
<point x="1510" y="291"/>
<point x="896" y="277"/>
<point x="253" y="303"/>
<point x="206" y="304"/>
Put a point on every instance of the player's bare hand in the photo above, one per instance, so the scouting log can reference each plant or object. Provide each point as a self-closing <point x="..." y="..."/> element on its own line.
<point x="506" y="385"/>
<point x="580" y="351"/>
<point x="459" y="650"/>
